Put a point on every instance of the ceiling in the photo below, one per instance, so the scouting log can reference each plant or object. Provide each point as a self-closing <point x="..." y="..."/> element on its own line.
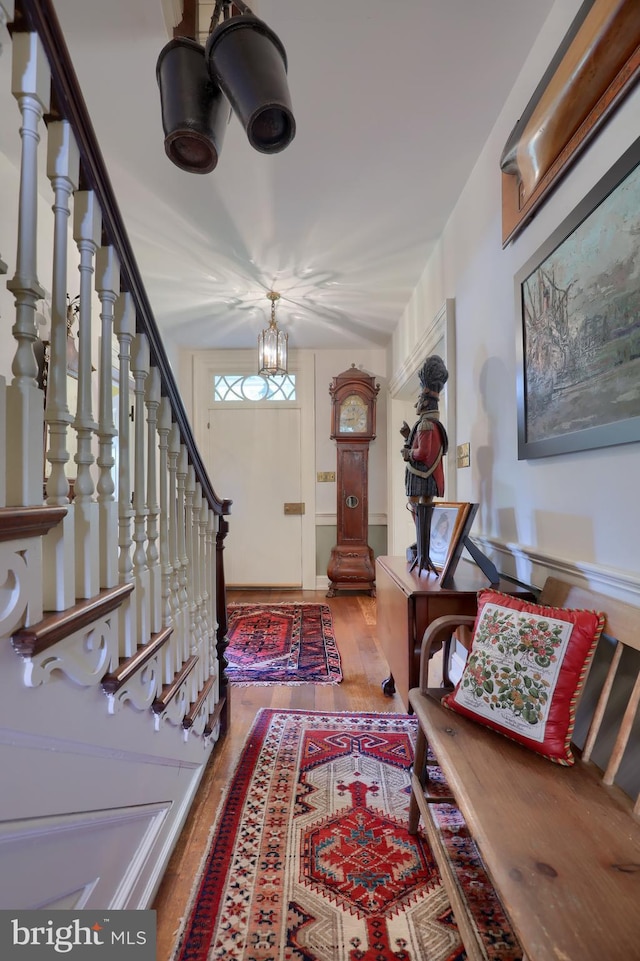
<point x="393" y="103"/>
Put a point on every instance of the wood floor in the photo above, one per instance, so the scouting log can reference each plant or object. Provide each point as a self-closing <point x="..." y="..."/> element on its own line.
<point x="364" y="669"/>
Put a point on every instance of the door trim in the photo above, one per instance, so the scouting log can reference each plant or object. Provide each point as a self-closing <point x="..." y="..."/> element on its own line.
<point x="206" y="362"/>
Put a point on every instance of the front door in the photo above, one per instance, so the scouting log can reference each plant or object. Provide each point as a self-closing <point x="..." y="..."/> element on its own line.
<point x="254" y="458"/>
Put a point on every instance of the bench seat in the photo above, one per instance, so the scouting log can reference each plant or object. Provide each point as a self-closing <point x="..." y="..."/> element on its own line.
<point x="561" y="847"/>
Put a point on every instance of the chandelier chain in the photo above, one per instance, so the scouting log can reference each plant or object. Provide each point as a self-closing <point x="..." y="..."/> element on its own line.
<point x="273" y="296"/>
<point x="227" y="4"/>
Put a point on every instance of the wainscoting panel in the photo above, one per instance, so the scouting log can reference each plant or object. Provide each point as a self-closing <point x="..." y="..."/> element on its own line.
<point x="58" y="860"/>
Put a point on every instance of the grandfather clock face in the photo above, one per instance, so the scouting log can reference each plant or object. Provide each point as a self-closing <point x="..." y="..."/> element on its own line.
<point x="354" y="415"/>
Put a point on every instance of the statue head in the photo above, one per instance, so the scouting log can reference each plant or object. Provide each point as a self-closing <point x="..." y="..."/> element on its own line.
<point x="433" y="375"/>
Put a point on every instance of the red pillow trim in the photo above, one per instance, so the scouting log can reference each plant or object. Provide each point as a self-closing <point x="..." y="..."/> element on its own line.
<point x="526" y="668"/>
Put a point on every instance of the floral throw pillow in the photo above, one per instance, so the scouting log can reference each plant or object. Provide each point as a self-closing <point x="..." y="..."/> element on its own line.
<point x="525" y="670"/>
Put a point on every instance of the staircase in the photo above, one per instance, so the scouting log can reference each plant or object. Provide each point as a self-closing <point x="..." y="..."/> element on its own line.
<point x="112" y="595"/>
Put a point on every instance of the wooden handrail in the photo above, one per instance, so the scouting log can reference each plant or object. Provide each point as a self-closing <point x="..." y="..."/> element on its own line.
<point x="219" y="713"/>
<point x="190" y="716"/>
<point x="111" y="683"/>
<point x="55" y="626"/>
<point x="169" y="691"/>
<point x="28" y="521"/>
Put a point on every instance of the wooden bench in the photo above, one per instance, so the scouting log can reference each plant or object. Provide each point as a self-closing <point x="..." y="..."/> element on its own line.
<point x="561" y="845"/>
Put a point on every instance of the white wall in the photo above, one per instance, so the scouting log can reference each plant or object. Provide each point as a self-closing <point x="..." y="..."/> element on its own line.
<point x="580" y="507"/>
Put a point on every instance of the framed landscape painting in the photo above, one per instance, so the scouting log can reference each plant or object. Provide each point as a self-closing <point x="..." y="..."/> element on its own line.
<point x="578" y="305"/>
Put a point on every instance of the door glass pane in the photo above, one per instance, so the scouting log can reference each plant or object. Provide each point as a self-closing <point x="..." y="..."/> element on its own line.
<point x="253" y="387"/>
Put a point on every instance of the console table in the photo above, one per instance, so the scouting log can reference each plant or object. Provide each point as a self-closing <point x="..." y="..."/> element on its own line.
<point x="409" y="602"/>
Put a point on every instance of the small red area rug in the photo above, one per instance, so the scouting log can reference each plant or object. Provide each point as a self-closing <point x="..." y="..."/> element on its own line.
<point x="310" y="858"/>
<point x="281" y="644"/>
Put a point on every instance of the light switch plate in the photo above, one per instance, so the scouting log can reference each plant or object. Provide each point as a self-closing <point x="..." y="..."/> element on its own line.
<point x="463" y="455"/>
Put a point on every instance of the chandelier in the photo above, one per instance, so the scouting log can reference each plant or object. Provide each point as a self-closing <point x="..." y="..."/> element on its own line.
<point x="273" y="349"/>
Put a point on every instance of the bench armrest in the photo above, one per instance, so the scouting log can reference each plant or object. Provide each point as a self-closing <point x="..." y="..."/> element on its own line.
<point x="438" y="633"/>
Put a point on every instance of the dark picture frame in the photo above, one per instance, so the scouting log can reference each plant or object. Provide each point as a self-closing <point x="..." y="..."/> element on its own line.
<point x="450" y="524"/>
<point x="578" y="339"/>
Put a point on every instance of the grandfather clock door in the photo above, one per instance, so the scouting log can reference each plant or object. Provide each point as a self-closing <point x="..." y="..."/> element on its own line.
<point x="353" y="501"/>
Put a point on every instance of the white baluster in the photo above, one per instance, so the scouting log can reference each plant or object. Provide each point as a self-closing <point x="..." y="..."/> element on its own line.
<point x="31" y="80"/>
<point x="206" y="640"/>
<point x="63" y="168"/>
<point x="108" y="288"/>
<point x="87" y="229"/>
<point x="140" y="370"/>
<point x="174" y="450"/>
<point x="204" y="604"/>
<point x="164" y="429"/>
<point x="181" y="476"/>
<point x="211" y="581"/>
<point x="153" y="508"/>
<point x="197" y="564"/>
<point x="124" y="326"/>
<point x="190" y="490"/>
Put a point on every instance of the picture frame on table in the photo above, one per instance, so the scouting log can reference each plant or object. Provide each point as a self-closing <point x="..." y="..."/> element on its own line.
<point x="578" y="338"/>
<point x="450" y="525"/>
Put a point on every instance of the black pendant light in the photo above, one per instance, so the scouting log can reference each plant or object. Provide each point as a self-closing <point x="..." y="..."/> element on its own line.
<point x="195" y="112"/>
<point x="249" y="63"/>
<point x="243" y="67"/>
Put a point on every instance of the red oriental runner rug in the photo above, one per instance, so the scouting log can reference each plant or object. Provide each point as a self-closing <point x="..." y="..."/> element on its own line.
<point x="310" y="858"/>
<point x="281" y="644"/>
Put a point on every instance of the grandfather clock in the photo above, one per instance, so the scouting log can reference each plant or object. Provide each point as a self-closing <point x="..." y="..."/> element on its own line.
<point x="353" y="426"/>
